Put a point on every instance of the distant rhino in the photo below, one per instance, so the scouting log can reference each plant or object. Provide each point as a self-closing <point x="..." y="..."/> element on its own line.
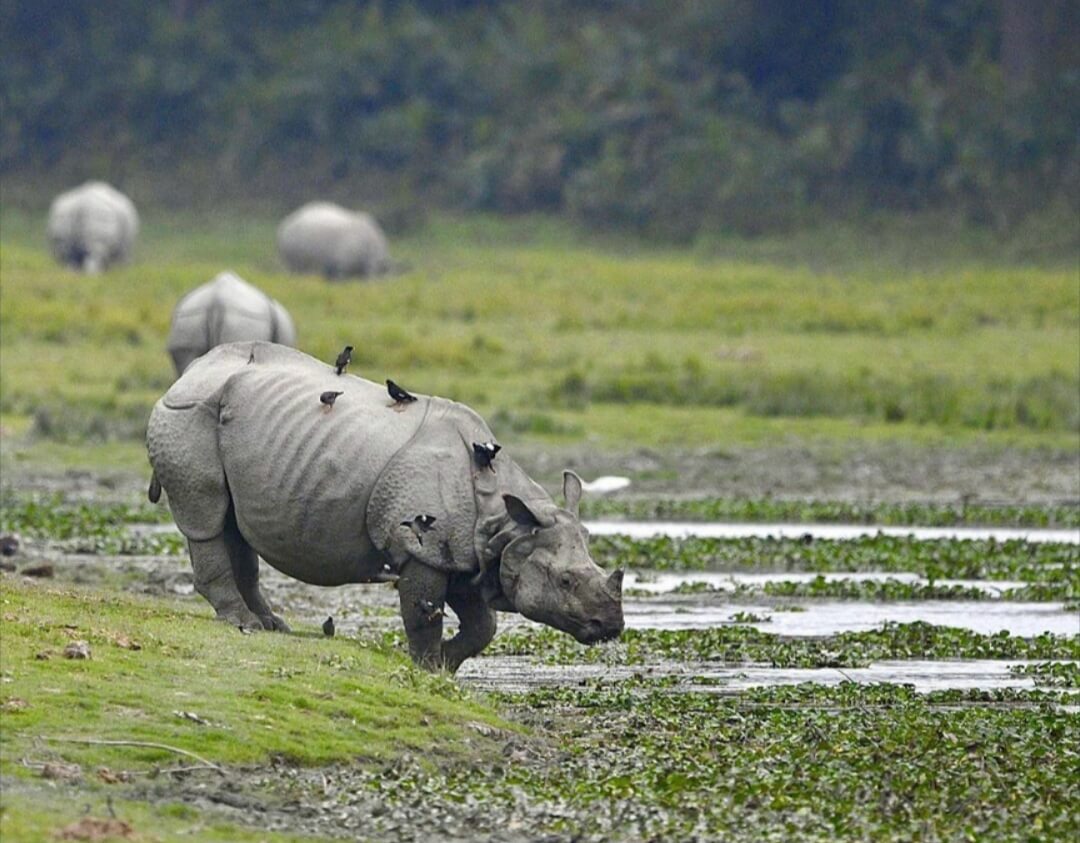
<point x="225" y="309"/>
<point x="92" y="227"/>
<point x="325" y="238"/>
<point x="366" y="490"/>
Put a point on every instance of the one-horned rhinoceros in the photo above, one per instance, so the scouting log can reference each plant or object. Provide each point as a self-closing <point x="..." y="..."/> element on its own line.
<point x="365" y="490"/>
<point x="92" y="227"/>
<point x="326" y="238"/>
<point x="225" y="309"/>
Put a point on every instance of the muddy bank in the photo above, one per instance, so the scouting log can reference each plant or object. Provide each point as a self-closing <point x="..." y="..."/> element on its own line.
<point x="364" y="610"/>
<point x="869" y="472"/>
<point x="882" y="472"/>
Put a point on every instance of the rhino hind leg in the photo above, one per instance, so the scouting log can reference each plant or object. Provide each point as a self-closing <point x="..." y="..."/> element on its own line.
<point x="477" y="625"/>
<point x="422" y="592"/>
<point x="227" y="574"/>
<point x="245" y="568"/>
<point x="215" y="580"/>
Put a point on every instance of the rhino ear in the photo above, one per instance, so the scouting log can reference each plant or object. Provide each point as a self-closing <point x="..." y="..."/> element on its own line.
<point x="571" y="489"/>
<point x="521" y="513"/>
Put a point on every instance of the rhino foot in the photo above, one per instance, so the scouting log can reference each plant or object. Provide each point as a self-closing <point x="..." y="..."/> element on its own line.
<point x="274" y="624"/>
<point x="243" y="619"/>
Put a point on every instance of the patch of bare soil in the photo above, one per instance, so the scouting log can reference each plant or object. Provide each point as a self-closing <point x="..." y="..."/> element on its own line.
<point x="366" y="803"/>
<point x="96" y="830"/>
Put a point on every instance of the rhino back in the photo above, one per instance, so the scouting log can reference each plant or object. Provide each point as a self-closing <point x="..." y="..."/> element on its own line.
<point x="226" y="309"/>
<point x="300" y="476"/>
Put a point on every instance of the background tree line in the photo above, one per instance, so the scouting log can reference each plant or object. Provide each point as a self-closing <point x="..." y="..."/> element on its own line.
<point x="668" y="118"/>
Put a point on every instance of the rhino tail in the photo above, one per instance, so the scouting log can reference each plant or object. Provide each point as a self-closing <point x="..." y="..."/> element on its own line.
<point x="154" y="492"/>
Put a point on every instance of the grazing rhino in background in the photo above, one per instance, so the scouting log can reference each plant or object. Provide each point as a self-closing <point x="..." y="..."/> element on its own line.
<point x="225" y="309"/>
<point x="92" y="227"/>
<point x="365" y="491"/>
<point x="325" y="238"/>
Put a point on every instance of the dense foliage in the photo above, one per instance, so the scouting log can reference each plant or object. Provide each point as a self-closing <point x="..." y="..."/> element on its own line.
<point x="671" y="118"/>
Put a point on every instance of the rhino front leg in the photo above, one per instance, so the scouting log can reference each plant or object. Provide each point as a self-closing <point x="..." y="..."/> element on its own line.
<point x="214" y="580"/>
<point x="477" y="625"/>
<point x="422" y="591"/>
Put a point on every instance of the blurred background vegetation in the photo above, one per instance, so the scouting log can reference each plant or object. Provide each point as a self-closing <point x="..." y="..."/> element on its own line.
<point x="679" y="224"/>
<point x="677" y="119"/>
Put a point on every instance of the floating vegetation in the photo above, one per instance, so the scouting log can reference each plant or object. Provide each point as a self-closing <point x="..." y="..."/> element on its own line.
<point x="734" y="644"/>
<point x="1051" y="674"/>
<point x="933" y="560"/>
<point x="834" y="512"/>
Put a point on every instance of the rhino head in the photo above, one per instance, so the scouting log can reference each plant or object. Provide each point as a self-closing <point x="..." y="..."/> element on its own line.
<point x="547" y="574"/>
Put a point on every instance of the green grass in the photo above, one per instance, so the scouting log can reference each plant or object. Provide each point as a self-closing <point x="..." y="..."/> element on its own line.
<point x="560" y="337"/>
<point x="303" y="697"/>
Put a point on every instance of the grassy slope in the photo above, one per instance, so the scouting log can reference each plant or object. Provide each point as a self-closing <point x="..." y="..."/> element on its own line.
<point x="307" y="698"/>
<point x="550" y="334"/>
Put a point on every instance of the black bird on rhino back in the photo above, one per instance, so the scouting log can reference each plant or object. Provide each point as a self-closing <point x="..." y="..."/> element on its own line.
<point x="401" y="396"/>
<point x="343" y="359"/>
<point x="333" y="499"/>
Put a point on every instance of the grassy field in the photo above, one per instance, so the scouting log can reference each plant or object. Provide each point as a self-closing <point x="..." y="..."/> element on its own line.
<point x="557" y="337"/>
<point x="168" y="675"/>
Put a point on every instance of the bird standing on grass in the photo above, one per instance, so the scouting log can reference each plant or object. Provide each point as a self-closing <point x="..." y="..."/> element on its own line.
<point x="485" y="452"/>
<point x="328" y="398"/>
<point x="328" y="627"/>
<point x="401" y="396"/>
<point x="419" y="525"/>
<point x="343" y="359"/>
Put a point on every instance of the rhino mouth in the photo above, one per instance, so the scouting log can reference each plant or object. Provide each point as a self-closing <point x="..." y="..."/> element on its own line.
<point x="597" y="631"/>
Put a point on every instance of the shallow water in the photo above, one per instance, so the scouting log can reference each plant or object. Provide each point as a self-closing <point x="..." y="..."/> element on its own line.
<point x="836" y="532"/>
<point x="520" y="673"/>
<point x="663" y="581"/>
<point x="828" y="617"/>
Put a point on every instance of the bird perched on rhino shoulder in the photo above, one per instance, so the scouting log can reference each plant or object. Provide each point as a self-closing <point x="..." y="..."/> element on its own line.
<point x="485" y="453"/>
<point x="343" y="360"/>
<point x="401" y="396"/>
<point x="419" y="525"/>
<point x="328" y="398"/>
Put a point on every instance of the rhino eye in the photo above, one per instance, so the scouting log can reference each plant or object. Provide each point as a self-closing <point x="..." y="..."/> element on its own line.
<point x="566" y="580"/>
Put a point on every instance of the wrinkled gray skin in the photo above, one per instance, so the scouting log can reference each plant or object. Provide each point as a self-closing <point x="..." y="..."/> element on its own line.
<point x="325" y="238"/>
<point x="226" y="309"/>
<point x="92" y="227"/>
<point x="254" y="464"/>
